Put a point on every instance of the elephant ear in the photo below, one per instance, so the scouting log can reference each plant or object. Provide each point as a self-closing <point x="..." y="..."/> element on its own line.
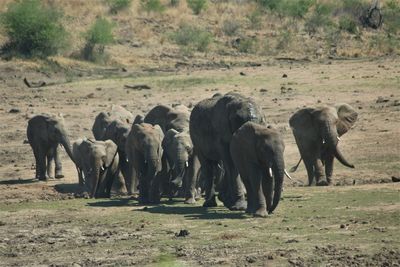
<point x="111" y="151"/>
<point x="347" y="117"/>
<point x="168" y="138"/>
<point x="160" y="131"/>
<point x="138" y="119"/>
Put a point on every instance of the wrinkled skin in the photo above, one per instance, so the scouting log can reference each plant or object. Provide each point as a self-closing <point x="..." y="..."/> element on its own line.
<point x="98" y="165"/>
<point x="182" y="162"/>
<point x="104" y="119"/>
<point x="316" y="131"/>
<point x="144" y="152"/>
<point x="118" y="132"/>
<point x="212" y="124"/>
<point x="45" y="133"/>
<point x="256" y="150"/>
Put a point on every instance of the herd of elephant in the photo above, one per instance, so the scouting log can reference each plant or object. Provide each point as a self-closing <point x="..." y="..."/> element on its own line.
<point x="223" y="148"/>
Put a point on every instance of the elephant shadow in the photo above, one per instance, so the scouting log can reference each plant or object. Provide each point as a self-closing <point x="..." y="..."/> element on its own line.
<point x="127" y="202"/>
<point x="18" y="181"/>
<point x="196" y="212"/>
<point x="68" y="188"/>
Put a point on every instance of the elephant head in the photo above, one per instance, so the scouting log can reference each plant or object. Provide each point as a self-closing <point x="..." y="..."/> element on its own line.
<point x="104" y="119"/>
<point x="58" y="134"/>
<point x="179" y="150"/>
<point x="100" y="159"/>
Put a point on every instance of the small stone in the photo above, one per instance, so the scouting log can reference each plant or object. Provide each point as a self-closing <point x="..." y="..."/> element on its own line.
<point x="284" y="75"/>
<point x="242" y="73"/>
<point x="14" y="110"/>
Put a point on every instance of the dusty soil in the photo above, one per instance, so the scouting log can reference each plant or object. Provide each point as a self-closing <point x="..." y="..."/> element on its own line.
<point x="43" y="223"/>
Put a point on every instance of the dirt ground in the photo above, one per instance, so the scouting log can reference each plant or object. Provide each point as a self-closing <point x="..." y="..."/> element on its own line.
<point x="353" y="223"/>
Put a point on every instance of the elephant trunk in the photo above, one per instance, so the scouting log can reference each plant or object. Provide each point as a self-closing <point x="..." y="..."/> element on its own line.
<point x="67" y="146"/>
<point x="278" y="171"/>
<point x="96" y="172"/>
<point x="331" y="139"/>
<point x="180" y="168"/>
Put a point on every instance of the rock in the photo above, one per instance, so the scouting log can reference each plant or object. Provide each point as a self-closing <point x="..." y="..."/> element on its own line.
<point x="91" y="95"/>
<point x="182" y="233"/>
<point x="395" y="179"/>
<point x="14" y="110"/>
<point x="382" y="100"/>
<point x="284" y="75"/>
<point x="251" y="259"/>
<point x="242" y="73"/>
<point x="262" y="90"/>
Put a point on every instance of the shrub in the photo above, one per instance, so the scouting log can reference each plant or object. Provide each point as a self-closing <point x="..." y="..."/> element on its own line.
<point x="269" y="4"/>
<point x="117" y="5"/>
<point x="255" y="19"/>
<point x="97" y="37"/>
<point x="33" y="29"/>
<point x="284" y="39"/>
<point x="174" y="2"/>
<point x="320" y="18"/>
<point x="153" y="6"/>
<point x="246" y="45"/>
<point x="348" y="23"/>
<point x="294" y="8"/>
<point x="197" y="5"/>
<point x="230" y="27"/>
<point x="192" y="38"/>
<point x="391" y="14"/>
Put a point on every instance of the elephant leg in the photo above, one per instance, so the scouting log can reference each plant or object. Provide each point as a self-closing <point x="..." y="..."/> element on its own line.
<point x="57" y="161"/>
<point x="155" y="193"/>
<point x="329" y="167"/>
<point x="236" y="199"/>
<point x="118" y="184"/>
<point x="246" y="176"/>
<point x="36" y="155"/>
<point x="308" y="162"/>
<point x="319" y="172"/>
<point x="41" y="164"/>
<point x="208" y="176"/>
<point x="50" y="161"/>
<point x="190" y="181"/>
<point x="267" y="184"/>
<point x="80" y="176"/>
<point x="260" y="206"/>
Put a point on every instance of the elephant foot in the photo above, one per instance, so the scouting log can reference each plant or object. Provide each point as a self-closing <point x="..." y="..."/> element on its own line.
<point x="43" y="178"/>
<point x="59" y="176"/>
<point x="190" y="200"/>
<point x="240" y="204"/>
<point x="322" y="183"/>
<point x="210" y="203"/>
<point x="261" y="212"/>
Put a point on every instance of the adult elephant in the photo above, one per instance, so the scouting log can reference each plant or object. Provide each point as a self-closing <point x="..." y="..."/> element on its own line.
<point x="257" y="152"/>
<point x="317" y="132"/>
<point x="104" y="119"/>
<point x="182" y="162"/>
<point x="45" y="132"/>
<point x="97" y="164"/>
<point x="144" y="152"/>
<point x="212" y="124"/>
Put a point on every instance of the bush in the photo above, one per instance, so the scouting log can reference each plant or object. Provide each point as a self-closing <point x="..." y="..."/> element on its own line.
<point x="97" y="37"/>
<point x="117" y="5"/>
<point x="284" y="39"/>
<point x="230" y="27"/>
<point x="197" y="5"/>
<point x="246" y="45"/>
<point x="191" y="37"/>
<point x="348" y="23"/>
<point x="320" y="18"/>
<point x="391" y="14"/>
<point x="255" y="19"/>
<point x="174" y="2"/>
<point x="153" y="6"/>
<point x="33" y="29"/>
<point x="294" y="8"/>
<point x="269" y="4"/>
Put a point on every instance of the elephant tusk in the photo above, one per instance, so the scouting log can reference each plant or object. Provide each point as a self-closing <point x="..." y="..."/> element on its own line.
<point x="187" y="164"/>
<point x="338" y="138"/>
<point x="102" y="168"/>
<point x="290" y="178"/>
<point x="270" y="171"/>
<point x="127" y="160"/>
<point x="323" y="141"/>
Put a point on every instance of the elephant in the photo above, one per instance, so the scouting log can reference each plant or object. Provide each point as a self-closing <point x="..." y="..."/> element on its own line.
<point x="45" y="132"/>
<point x="183" y="164"/>
<point x="257" y="152"/>
<point x="144" y="152"/>
<point x="97" y="163"/>
<point x="118" y="132"/>
<point x="317" y="132"/>
<point x="212" y="124"/>
<point x="104" y="119"/>
<point x="169" y="118"/>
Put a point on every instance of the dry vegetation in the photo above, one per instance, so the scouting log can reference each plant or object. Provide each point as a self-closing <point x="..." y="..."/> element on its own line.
<point x="353" y="223"/>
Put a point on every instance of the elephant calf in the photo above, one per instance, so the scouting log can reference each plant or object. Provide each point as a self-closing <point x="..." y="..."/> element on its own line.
<point x="317" y="132"/>
<point x="144" y="153"/>
<point x="257" y="152"/>
<point x="45" y="133"/>
<point x="97" y="163"/>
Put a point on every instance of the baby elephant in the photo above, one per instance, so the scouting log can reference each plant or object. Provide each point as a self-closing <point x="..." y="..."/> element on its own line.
<point x="144" y="153"/>
<point x="45" y="133"/>
<point x="257" y="152"/>
<point x="97" y="164"/>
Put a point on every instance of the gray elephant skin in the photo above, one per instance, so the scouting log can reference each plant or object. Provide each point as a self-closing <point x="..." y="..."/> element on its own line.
<point x="212" y="124"/>
<point x="257" y="152"/>
<point x="45" y="133"/>
<point x="144" y="152"/>
<point x="97" y="163"/>
<point x="104" y="119"/>
<point x="317" y="132"/>
<point x="183" y="164"/>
